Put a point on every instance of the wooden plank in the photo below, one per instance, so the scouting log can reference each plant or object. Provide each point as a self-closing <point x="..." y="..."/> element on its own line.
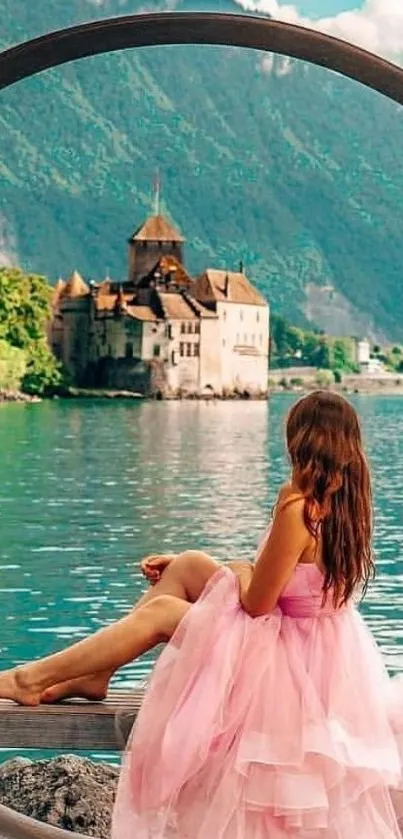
<point x="14" y="825"/>
<point x="73" y="724"/>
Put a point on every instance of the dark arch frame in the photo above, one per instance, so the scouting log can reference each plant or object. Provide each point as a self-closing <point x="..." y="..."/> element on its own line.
<point x="168" y="28"/>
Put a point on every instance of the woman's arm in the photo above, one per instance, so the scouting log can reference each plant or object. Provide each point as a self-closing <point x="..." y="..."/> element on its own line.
<point x="287" y="541"/>
<point x="243" y="571"/>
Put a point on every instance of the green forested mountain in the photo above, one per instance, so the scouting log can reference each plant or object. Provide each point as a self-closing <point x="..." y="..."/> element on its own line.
<point x="290" y="168"/>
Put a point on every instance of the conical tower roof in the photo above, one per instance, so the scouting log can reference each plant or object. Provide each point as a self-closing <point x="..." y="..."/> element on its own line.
<point x="75" y="286"/>
<point x="57" y="290"/>
<point x="157" y="229"/>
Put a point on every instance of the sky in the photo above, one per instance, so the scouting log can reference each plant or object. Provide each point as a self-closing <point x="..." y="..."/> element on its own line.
<point x="376" y="25"/>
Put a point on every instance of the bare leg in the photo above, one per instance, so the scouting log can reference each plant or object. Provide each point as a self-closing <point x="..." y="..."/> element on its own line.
<point x="181" y="583"/>
<point x="107" y="649"/>
<point x="185" y="577"/>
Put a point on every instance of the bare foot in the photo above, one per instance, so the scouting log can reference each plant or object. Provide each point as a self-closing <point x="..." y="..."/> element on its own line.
<point x="15" y="684"/>
<point x="93" y="688"/>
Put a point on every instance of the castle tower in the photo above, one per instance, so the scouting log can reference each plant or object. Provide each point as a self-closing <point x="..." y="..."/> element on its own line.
<point x="154" y="239"/>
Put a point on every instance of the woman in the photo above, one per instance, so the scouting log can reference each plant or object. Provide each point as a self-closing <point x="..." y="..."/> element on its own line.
<point x="270" y="712"/>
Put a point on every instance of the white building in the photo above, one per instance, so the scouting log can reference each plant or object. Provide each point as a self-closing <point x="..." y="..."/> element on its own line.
<point x="243" y="329"/>
<point x="363" y="352"/>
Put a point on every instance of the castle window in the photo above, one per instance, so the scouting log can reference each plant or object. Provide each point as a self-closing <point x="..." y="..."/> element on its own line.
<point x="109" y="351"/>
<point x="257" y="317"/>
<point x="224" y="314"/>
<point x="190" y="330"/>
<point x="156" y="350"/>
<point x="241" y="314"/>
<point x="182" y="350"/>
<point x="237" y="337"/>
<point x="223" y="342"/>
<point x="188" y="349"/>
<point x="183" y="328"/>
<point x="169" y="331"/>
<point x="253" y="339"/>
<point x="245" y="339"/>
<point x="173" y="357"/>
<point x="129" y="350"/>
<point x="197" y="328"/>
<point x="196" y="349"/>
<point x="260" y="339"/>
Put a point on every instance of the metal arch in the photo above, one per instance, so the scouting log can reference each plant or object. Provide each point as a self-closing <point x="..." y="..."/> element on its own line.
<point x="168" y="28"/>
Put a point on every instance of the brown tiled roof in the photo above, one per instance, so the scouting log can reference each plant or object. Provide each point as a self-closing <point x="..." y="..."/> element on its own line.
<point x="144" y="313"/>
<point x="104" y="287"/>
<point x="156" y="229"/>
<point x="75" y="286"/>
<point x="227" y="286"/>
<point x="202" y="310"/>
<point x="176" y="307"/>
<point x="169" y="264"/>
<point x="105" y="302"/>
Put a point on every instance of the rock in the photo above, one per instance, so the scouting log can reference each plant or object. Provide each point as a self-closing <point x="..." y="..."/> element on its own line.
<point x="17" y="396"/>
<point x="68" y="791"/>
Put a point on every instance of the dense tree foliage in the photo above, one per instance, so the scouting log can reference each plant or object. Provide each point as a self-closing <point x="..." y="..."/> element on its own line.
<point x="25" y="358"/>
<point x="291" y="346"/>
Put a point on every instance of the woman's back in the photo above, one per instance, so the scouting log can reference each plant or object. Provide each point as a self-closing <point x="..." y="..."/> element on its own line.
<point x="303" y="594"/>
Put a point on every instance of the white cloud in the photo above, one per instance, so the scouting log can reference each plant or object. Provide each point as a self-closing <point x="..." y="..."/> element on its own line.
<point x="276" y="64"/>
<point x="377" y="25"/>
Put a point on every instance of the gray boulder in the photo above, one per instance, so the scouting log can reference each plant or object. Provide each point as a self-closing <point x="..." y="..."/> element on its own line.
<point x="69" y="792"/>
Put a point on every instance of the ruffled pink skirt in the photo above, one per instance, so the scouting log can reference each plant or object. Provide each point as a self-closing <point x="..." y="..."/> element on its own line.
<point x="264" y="728"/>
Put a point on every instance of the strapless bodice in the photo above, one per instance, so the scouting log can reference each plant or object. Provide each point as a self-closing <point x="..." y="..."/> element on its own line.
<point x="303" y="595"/>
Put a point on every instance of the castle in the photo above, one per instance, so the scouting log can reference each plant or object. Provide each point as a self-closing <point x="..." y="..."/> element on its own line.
<point x="162" y="332"/>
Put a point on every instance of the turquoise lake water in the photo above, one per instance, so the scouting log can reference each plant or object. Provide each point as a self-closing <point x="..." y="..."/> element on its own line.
<point x="88" y="488"/>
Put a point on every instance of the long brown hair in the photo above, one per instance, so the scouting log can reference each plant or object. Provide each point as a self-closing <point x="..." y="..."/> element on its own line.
<point x="331" y="471"/>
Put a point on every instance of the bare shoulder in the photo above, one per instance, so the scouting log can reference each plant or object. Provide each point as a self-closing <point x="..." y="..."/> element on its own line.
<point x="290" y="509"/>
<point x="289" y="498"/>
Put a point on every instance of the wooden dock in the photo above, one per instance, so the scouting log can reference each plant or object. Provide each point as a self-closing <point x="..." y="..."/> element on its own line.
<point x="72" y="724"/>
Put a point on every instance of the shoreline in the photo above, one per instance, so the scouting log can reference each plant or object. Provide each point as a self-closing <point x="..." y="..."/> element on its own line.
<point x="362" y="390"/>
<point x="7" y="396"/>
<point x="294" y="380"/>
<point x="365" y="387"/>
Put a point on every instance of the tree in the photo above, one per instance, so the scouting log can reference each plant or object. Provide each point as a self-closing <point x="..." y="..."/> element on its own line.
<point x="43" y="375"/>
<point x="279" y="329"/>
<point x="321" y="356"/>
<point x="342" y="354"/>
<point x="310" y="347"/>
<point x="25" y="306"/>
<point x="295" y="340"/>
<point x="25" y="311"/>
<point x="12" y="366"/>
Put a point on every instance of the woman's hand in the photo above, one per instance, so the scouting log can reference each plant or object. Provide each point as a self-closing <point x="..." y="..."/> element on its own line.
<point x="153" y="566"/>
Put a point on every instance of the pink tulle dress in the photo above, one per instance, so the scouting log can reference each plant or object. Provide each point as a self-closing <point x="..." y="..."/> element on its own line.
<point x="286" y="725"/>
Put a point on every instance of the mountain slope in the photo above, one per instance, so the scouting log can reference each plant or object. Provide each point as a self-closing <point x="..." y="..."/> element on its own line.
<point x="287" y="167"/>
